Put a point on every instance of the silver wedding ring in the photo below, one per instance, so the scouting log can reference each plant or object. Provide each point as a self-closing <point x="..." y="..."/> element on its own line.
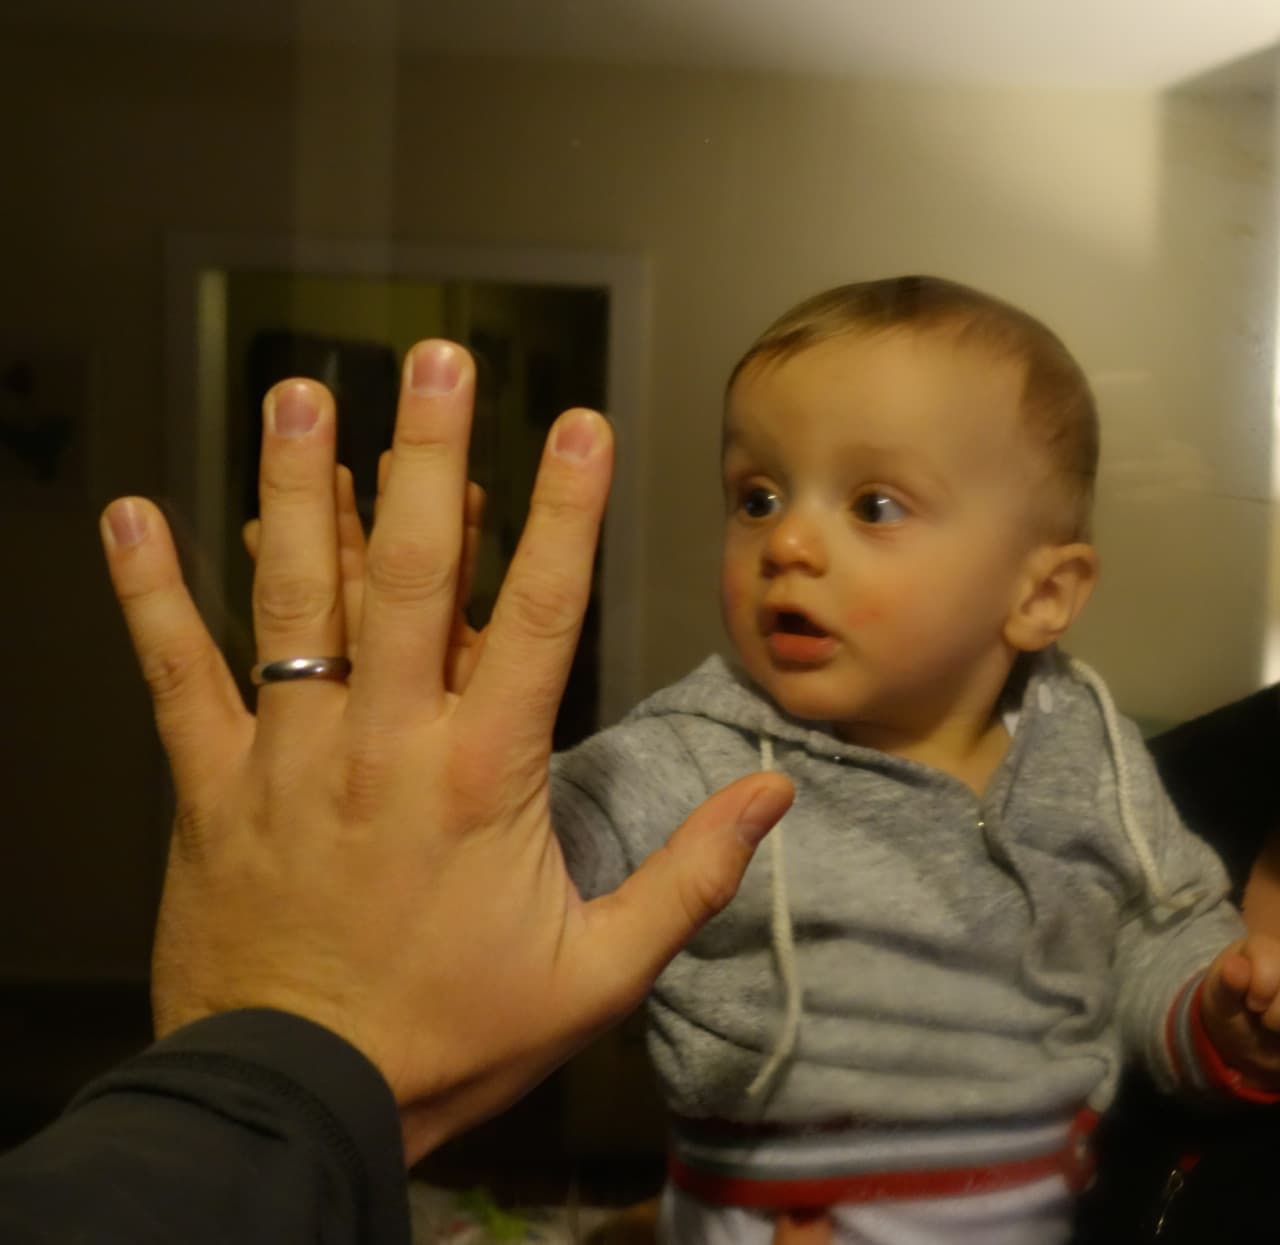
<point x="335" y="668"/>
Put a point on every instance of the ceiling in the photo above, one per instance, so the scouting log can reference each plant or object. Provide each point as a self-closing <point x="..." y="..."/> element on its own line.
<point x="1133" y="44"/>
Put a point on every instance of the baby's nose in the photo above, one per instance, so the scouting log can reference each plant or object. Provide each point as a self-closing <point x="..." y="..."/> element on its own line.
<point x="796" y="542"/>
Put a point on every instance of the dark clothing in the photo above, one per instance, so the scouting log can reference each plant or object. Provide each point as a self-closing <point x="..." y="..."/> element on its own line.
<point x="1209" y="1173"/>
<point x="252" y="1126"/>
<point x="1220" y="771"/>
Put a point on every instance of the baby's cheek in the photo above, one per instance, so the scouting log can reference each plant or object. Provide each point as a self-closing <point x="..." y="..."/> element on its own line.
<point x="732" y="589"/>
<point x="864" y="616"/>
<point x="912" y="611"/>
<point x="737" y="609"/>
<point x="872" y="607"/>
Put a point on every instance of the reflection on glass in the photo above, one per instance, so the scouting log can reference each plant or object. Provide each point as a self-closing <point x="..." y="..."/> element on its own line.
<point x="1137" y="217"/>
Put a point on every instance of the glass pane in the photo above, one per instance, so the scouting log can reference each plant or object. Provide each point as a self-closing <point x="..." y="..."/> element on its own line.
<point x="606" y="204"/>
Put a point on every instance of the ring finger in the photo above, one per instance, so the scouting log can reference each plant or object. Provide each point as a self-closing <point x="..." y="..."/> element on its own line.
<point x="297" y="602"/>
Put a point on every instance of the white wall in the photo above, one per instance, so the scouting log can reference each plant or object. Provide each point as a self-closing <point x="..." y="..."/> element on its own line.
<point x="1138" y="226"/>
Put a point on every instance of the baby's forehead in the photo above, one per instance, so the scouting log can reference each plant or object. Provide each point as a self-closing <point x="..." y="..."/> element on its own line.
<point x="909" y="381"/>
<point x="892" y="352"/>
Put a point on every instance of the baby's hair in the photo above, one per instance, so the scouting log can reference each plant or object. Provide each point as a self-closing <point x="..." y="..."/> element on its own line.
<point x="1057" y="402"/>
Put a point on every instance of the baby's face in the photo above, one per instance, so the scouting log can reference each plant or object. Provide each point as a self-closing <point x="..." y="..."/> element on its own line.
<point x="879" y="492"/>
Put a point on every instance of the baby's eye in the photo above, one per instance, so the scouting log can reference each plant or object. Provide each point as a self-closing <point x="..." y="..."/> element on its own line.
<point x="759" y="502"/>
<point x="874" y="506"/>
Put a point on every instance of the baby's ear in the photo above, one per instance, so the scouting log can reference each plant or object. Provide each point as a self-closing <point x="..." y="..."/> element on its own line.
<point x="1056" y="584"/>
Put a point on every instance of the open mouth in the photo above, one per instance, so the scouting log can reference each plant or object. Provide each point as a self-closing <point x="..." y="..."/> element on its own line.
<point x="791" y="622"/>
<point x="795" y="640"/>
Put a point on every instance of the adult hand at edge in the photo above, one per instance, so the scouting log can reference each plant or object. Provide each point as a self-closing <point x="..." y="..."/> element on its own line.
<point x="378" y="857"/>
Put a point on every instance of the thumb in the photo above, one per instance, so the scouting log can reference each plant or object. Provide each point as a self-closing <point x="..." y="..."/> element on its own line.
<point x="682" y="885"/>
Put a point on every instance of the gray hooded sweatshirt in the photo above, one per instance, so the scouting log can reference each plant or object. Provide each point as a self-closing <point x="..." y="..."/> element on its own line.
<point x="955" y="958"/>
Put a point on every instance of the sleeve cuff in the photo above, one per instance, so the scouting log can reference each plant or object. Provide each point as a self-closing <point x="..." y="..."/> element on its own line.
<point x="1196" y="1061"/>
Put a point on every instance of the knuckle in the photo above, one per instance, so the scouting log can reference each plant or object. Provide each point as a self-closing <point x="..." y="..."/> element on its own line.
<point x="364" y="783"/>
<point x="475" y="791"/>
<point x="407" y="571"/>
<point x="282" y="481"/>
<point x="546" y="607"/>
<point x="288" y="601"/>
<point x="711" y="893"/>
<point x="134" y="592"/>
<point x="170" y="669"/>
<point x="423" y="437"/>
<point x="557" y="506"/>
<point x="193" y="845"/>
<point x="704" y="892"/>
<point x="699" y="891"/>
<point x="480" y="793"/>
<point x="470" y="770"/>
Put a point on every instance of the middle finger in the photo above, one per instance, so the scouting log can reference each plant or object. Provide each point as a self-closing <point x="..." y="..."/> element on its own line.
<point x="415" y="549"/>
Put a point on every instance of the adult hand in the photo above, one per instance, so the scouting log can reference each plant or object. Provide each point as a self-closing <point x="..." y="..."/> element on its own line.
<point x="377" y="856"/>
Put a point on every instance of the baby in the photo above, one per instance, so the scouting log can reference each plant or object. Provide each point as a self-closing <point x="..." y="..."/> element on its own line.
<point x="981" y="903"/>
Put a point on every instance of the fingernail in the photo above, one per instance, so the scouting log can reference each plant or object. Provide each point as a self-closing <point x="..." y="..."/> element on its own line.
<point x="575" y="435"/>
<point x="126" y="522"/>
<point x="434" y="369"/>
<point x="293" y="411"/>
<point x="761" y="815"/>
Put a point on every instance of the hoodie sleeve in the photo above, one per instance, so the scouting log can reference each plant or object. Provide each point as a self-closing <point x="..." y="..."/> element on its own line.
<point x="618" y="796"/>
<point x="1181" y="922"/>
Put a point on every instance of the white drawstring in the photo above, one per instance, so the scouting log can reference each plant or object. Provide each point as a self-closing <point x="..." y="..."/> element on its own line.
<point x="784" y="948"/>
<point x="1124" y="785"/>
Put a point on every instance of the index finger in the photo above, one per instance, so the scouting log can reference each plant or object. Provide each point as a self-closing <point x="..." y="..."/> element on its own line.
<point x="538" y="616"/>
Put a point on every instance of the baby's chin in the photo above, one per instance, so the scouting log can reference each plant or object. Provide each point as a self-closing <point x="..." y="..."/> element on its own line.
<point x="804" y="695"/>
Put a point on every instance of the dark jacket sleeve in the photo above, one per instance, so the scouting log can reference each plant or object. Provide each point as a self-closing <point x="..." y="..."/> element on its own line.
<point x="252" y="1126"/>
<point x="1220" y="771"/>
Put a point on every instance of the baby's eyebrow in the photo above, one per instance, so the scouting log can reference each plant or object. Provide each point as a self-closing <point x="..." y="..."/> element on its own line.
<point x="734" y="436"/>
<point x="893" y="462"/>
<point x="732" y="440"/>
